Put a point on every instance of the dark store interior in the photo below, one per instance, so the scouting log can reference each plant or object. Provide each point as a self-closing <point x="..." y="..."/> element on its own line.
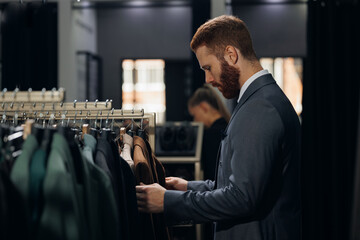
<point x="43" y="42"/>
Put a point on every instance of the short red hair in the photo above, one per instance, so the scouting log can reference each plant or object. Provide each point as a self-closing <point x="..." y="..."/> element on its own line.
<point x="222" y="31"/>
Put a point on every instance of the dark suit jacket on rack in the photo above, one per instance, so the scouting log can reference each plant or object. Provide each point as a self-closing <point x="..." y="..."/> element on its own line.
<point x="257" y="190"/>
<point x="107" y="158"/>
<point x="149" y="170"/>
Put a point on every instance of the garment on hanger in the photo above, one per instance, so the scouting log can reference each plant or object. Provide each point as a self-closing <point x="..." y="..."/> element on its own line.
<point x="132" y="207"/>
<point x="99" y="201"/>
<point x="162" y="232"/>
<point x="37" y="175"/>
<point x="89" y="148"/>
<point x="159" y="170"/>
<point x="36" y="178"/>
<point x="104" y="217"/>
<point x="145" y="172"/>
<point x="12" y="148"/>
<point x="20" y="173"/>
<point x="63" y="215"/>
<point x="123" y="203"/>
<point x="107" y="158"/>
<point x="127" y="150"/>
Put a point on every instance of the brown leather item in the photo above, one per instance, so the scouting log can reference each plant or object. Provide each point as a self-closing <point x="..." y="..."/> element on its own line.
<point x="149" y="170"/>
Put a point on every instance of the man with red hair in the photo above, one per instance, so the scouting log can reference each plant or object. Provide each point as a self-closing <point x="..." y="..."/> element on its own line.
<point x="256" y="192"/>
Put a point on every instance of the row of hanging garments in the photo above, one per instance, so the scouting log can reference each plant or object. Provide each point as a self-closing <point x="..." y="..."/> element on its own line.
<point x="67" y="183"/>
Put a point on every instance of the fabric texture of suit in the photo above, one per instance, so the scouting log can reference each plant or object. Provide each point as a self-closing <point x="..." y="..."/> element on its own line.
<point x="256" y="195"/>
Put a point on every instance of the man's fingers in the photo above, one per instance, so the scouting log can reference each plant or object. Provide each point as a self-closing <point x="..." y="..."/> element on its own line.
<point x="141" y="196"/>
<point x="150" y="198"/>
<point x="169" y="184"/>
<point x="140" y="189"/>
<point x="169" y="180"/>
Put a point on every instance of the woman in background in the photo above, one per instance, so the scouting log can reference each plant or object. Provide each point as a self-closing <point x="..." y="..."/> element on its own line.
<point x="206" y="106"/>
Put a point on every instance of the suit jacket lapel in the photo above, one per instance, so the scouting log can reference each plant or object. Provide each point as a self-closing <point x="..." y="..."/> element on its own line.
<point x="254" y="86"/>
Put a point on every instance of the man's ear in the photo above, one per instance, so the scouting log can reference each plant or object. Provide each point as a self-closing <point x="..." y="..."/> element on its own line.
<point x="231" y="55"/>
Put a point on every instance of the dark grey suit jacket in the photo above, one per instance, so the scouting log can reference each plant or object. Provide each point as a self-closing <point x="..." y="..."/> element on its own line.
<point x="257" y="190"/>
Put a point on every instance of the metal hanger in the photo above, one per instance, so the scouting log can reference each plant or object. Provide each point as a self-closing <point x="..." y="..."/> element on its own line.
<point x="3" y="119"/>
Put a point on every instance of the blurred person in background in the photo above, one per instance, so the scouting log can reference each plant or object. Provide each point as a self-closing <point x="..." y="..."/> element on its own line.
<point x="206" y="106"/>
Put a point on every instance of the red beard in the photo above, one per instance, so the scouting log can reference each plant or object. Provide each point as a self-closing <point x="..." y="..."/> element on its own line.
<point x="229" y="81"/>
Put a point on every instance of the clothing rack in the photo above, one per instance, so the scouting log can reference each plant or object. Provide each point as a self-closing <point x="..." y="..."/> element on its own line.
<point x="54" y="106"/>
<point x="77" y="112"/>
<point x="69" y="153"/>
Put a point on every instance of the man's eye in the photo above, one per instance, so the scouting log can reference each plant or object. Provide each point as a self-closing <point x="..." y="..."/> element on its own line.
<point x="206" y="69"/>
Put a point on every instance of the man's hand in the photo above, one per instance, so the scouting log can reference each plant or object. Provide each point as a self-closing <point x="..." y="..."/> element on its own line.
<point x="150" y="198"/>
<point x="175" y="183"/>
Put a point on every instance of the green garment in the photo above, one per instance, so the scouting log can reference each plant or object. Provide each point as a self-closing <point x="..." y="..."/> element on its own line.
<point x="89" y="147"/>
<point x="37" y="174"/>
<point x="20" y="172"/>
<point x="100" y="199"/>
<point x="62" y="217"/>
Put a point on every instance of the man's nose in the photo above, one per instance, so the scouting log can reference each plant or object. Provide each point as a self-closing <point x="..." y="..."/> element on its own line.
<point x="209" y="78"/>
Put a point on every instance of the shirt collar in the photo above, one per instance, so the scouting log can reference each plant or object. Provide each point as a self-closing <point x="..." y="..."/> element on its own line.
<point x="250" y="80"/>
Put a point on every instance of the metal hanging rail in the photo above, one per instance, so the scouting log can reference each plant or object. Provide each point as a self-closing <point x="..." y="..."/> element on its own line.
<point x="55" y="106"/>
<point x="76" y="112"/>
<point x="32" y="96"/>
